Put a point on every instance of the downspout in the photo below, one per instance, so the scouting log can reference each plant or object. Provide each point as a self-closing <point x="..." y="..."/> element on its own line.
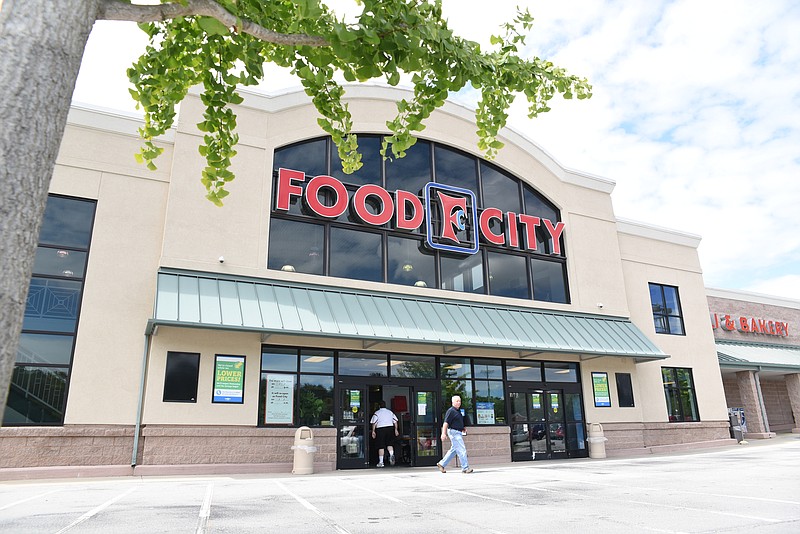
<point x="761" y="401"/>
<point x="140" y="407"/>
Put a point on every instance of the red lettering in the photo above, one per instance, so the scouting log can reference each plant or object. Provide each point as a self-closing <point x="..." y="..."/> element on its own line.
<point x="754" y="326"/>
<point x="555" y="233"/>
<point x="485" y="223"/>
<point x="762" y="326"/>
<point x="286" y="189"/>
<point x="772" y="328"/>
<point x="785" y="329"/>
<point x="729" y="324"/>
<point x="312" y="196"/>
<point x="511" y="229"/>
<point x="715" y="322"/>
<point x="384" y="215"/>
<point x="743" y="324"/>
<point x="405" y="200"/>
<point x="529" y="223"/>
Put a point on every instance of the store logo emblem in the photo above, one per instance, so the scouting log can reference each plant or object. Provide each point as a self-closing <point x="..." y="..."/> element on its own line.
<point x="452" y="216"/>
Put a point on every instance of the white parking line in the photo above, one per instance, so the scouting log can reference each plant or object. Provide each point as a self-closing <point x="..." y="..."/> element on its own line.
<point x="9" y="505"/>
<point x="205" y="510"/>
<point x="313" y="508"/>
<point x="95" y="511"/>
<point x="362" y="488"/>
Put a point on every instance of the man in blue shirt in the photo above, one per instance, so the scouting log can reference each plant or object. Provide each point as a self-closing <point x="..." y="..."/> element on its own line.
<point x="454" y="428"/>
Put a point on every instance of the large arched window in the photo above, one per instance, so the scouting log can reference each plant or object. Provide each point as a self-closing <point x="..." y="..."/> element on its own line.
<point x="437" y="218"/>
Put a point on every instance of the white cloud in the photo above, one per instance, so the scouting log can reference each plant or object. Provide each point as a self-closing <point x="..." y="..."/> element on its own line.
<point x="695" y="115"/>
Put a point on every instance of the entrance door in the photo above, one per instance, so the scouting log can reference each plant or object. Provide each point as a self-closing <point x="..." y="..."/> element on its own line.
<point x="416" y="408"/>
<point x="538" y="424"/>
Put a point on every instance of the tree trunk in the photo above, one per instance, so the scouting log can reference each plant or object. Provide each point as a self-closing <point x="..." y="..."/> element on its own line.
<point x="41" y="46"/>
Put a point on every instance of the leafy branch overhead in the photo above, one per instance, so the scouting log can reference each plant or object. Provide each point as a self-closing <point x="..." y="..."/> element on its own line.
<point x="223" y="44"/>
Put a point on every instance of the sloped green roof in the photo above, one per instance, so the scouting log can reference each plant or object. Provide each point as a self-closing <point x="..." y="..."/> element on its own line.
<point x="213" y="301"/>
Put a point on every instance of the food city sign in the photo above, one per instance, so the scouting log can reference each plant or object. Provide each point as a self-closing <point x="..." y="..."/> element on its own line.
<point x="451" y="214"/>
<point x="749" y="325"/>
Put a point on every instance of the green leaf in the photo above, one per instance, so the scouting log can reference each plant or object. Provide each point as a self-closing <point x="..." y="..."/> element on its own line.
<point x="212" y="26"/>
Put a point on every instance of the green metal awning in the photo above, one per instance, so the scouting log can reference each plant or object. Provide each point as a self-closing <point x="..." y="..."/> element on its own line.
<point x="746" y="356"/>
<point x="213" y="301"/>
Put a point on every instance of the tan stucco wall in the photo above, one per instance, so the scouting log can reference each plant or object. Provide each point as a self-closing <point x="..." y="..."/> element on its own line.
<point x="120" y="286"/>
<point x="646" y="260"/>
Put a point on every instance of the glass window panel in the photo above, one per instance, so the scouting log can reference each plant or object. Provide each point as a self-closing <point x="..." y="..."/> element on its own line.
<point x="684" y="378"/>
<point x="548" y="281"/>
<point x="455" y="368"/>
<point x="673" y="405"/>
<point x="488" y="369"/>
<point x="311" y="157"/>
<point x="463" y="273"/>
<point x="273" y="359"/>
<point x="411" y="172"/>
<point x="455" y="168"/>
<point x="44" y="348"/>
<point x="572" y="407"/>
<point x="508" y="276"/>
<point x="362" y="364"/>
<point x="462" y="388"/>
<point x="370" y="172"/>
<point x="315" y="400"/>
<point x="59" y="262"/>
<point x="668" y="376"/>
<point x="688" y="406"/>
<point x="576" y="439"/>
<point x="412" y="366"/>
<point x="356" y="254"/>
<point x="493" y="408"/>
<point x="560" y="372"/>
<point x="671" y="300"/>
<point x="316" y="361"/>
<point x="499" y="189"/>
<point x="536" y="407"/>
<point x="656" y="298"/>
<point x="524" y="371"/>
<point x="67" y="222"/>
<point x="36" y="396"/>
<point x="519" y="406"/>
<point x="52" y="305"/>
<point x="296" y="246"/>
<point x="181" y="377"/>
<point x="660" y="324"/>
<point x="675" y="325"/>
<point x="536" y="205"/>
<point x="410" y="263"/>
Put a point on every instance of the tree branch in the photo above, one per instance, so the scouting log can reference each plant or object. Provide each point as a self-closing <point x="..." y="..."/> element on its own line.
<point x="121" y="10"/>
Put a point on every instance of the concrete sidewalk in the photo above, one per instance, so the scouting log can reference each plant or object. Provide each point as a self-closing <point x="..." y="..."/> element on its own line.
<point x="105" y="471"/>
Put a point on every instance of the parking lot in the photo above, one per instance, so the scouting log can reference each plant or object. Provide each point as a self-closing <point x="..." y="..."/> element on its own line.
<point x="745" y="488"/>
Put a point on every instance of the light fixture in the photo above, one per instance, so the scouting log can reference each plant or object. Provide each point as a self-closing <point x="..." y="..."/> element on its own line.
<point x="67" y="272"/>
<point x="313" y="253"/>
<point x="420" y="283"/>
<point x="407" y="267"/>
<point x="563" y="371"/>
<point x="316" y="359"/>
<point x="288" y="268"/>
<point x="62" y="253"/>
<point x="518" y="368"/>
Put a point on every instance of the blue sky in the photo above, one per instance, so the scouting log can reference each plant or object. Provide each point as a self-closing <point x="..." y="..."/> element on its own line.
<point x="695" y="115"/>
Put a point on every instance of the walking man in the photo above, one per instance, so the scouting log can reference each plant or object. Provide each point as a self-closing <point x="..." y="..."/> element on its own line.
<point x="383" y="422"/>
<point x="454" y="429"/>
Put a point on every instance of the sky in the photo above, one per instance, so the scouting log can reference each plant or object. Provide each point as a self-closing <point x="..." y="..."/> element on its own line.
<point x="695" y="115"/>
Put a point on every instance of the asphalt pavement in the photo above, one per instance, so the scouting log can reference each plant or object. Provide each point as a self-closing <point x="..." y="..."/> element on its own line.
<point x="752" y="488"/>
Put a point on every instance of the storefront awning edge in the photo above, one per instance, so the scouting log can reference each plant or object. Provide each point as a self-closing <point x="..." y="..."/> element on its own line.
<point x="200" y="300"/>
<point x="753" y="356"/>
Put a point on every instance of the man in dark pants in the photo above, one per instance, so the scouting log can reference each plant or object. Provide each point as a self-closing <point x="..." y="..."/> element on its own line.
<point x="454" y="429"/>
<point x="384" y="431"/>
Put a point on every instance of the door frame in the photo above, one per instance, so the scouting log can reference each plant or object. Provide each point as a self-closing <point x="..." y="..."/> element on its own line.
<point x="413" y="386"/>
<point x="545" y="391"/>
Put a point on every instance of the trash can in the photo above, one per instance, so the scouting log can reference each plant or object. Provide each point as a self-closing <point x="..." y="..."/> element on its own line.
<point x="304" y="450"/>
<point x="597" y="441"/>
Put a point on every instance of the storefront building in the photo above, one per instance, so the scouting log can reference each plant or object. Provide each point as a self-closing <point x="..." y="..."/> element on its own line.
<point x="162" y="330"/>
<point x="759" y="356"/>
